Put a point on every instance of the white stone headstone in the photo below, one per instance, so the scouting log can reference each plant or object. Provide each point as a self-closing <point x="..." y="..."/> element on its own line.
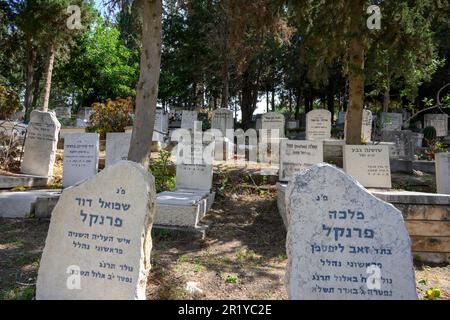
<point x="439" y="122"/>
<point x="318" y="125"/>
<point x="117" y="147"/>
<point x="369" y="164"/>
<point x="443" y="172"/>
<point x="366" y="129"/>
<point x="41" y="144"/>
<point x="188" y="119"/>
<point x="297" y="155"/>
<point x="99" y="240"/>
<point x="195" y="171"/>
<point x="63" y="112"/>
<point x="222" y="119"/>
<point x="273" y="121"/>
<point x="344" y="243"/>
<point x="161" y="127"/>
<point x="80" y="157"/>
<point x="391" y="121"/>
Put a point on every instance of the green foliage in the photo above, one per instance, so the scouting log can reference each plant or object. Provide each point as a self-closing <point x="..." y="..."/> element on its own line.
<point x="111" y="116"/>
<point x="231" y="278"/>
<point x="164" y="172"/>
<point x="100" y="66"/>
<point x="433" y="294"/>
<point x="9" y="103"/>
<point x="429" y="133"/>
<point x="24" y="293"/>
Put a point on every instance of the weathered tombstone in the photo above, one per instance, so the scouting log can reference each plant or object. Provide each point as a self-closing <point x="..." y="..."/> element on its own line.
<point x="391" y="121"/>
<point x="63" y="112"/>
<point x="161" y="127"/>
<point x="293" y="124"/>
<point x="80" y="157"/>
<point x="273" y="122"/>
<point x="99" y="240"/>
<point x="188" y="119"/>
<point x="117" y="147"/>
<point x="318" y="125"/>
<point x="406" y="143"/>
<point x="41" y="144"/>
<point x="222" y="120"/>
<point x="439" y="122"/>
<point x="443" y="172"/>
<point x="344" y="243"/>
<point x="369" y="165"/>
<point x="297" y="155"/>
<point x="366" y="129"/>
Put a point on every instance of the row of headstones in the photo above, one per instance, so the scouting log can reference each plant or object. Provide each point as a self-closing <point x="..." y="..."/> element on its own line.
<point x="342" y="242"/>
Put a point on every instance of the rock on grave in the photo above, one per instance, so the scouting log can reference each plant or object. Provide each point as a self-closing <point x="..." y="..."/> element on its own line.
<point x="443" y="172"/>
<point x="369" y="165"/>
<point x="318" y="125"/>
<point x="99" y="242"/>
<point x="117" y="147"/>
<point x="439" y="122"/>
<point x="80" y="157"/>
<point x="40" y="144"/>
<point x="344" y="243"/>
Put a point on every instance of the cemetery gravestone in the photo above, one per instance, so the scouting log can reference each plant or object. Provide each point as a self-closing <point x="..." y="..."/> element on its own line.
<point x="99" y="240"/>
<point x="318" y="125"/>
<point x="274" y="123"/>
<point x="369" y="165"/>
<point x="297" y="155"/>
<point x="343" y="243"/>
<point x="80" y="157"/>
<point x="41" y="144"/>
<point x="161" y="127"/>
<point x="391" y="121"/>
<point x="117" y="147"/>
<point x="222" y="120"/>
<point x="443" y="172"/>
<point x="188" y="119"/>
<point x="366" y="130"/>
<point x="63" y="112"/>
<point x="439" y="122"/>
<point x="341" y="117"/>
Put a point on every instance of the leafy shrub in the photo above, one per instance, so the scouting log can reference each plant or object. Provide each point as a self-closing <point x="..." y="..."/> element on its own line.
<point x="111" y="116"/>
<point x="164" y="172"/>
<point x="429" y="133"/>
<point x="9" y="103"/>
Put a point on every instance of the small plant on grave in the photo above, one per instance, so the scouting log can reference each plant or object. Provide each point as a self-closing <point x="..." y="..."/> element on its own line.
<point x="429" y="133"/>
<point x="10" y="151"/>
<point x="111" y="116"/>
<point x="231" y="278"/>
<point x="433" y="294"/>
<point x="164" y="172"/>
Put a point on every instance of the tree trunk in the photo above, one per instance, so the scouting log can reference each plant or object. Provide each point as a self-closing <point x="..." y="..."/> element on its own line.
<point x="297" y="106"/>
<point x="356" y="80"/>
<point x="147" y="88"/>
<point x="267" y="101"/>
<point x="330" y="97"/>
<point x="225" y="85"/>
<point x="31" y="55"/>
<point x="48" y="75"/>
<point x="247" y="105"/>
<point x="273" y="99"/>
<point x="386" y="99"/>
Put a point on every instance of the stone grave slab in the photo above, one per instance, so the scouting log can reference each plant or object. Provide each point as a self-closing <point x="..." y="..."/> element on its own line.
<point x="297" y="155"/>
<point x="318" y="125"/>
<point x="343" y="243"/>
<point x="99" y="240"/>
<point x="117" y="147"/>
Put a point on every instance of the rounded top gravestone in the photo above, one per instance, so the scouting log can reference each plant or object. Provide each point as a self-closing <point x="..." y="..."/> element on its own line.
<point x="99" y="240"/>
<point x="344" y="243"/>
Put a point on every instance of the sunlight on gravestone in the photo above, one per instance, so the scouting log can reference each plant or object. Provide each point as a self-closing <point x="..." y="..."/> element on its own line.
<point x="344" y="243"/>
<point x="99" y="240"/>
